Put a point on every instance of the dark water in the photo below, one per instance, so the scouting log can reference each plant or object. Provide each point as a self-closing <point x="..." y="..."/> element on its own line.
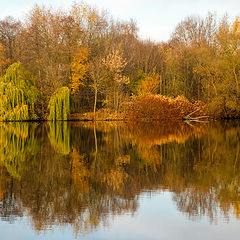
<point x="120" y="181"/>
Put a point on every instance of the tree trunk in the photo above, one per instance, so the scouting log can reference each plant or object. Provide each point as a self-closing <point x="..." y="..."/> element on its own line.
<point x="95" y="103"/>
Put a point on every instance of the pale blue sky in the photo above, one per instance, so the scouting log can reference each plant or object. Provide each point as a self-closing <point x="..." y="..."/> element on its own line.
<point x="156" y="19"/>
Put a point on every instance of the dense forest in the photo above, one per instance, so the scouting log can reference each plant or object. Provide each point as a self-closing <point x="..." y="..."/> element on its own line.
<point x="59" y="62"/>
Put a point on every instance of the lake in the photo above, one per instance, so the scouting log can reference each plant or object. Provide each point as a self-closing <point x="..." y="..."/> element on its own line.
<point x="117" y="180"/>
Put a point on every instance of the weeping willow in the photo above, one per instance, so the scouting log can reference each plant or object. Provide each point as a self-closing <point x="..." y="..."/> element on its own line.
<point x="18" y="147"/>
<point x="59" y="105"/>
<point x="60" y="137"/>
<point x="18" y="94"/>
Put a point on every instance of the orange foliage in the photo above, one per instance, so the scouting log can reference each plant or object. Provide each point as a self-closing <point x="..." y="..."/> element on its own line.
<point x="115" y="178"/>
<point x="236" y="209"/>
<point x="79" y="68"/>
<point x="149" y="85"/>
<point x="162" y="108"/>
<point x="80" y="172"/>
<point x="159" y="133"/>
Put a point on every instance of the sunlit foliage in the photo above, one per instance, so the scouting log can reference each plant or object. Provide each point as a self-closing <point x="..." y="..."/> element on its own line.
<point x="79" y="68"/>
<point x="59" y="105"/>
<point x="104" y="62"/>
<point x="18" y="94"/>
<point x="149" y="85"/>
<point x="162" y="108"/>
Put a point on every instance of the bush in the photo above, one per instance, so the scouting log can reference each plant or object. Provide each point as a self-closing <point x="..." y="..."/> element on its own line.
<point x="158" y="107"/>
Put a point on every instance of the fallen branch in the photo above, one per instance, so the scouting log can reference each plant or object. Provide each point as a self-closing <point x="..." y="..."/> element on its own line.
<point x="189" y="118"/>
<point x="189" y="115"/>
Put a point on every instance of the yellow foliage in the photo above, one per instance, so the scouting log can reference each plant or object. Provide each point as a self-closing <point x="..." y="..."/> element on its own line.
<point x="80" y="172"/>
<point x="149" y="85"/>
<point x="236" y="25"/>
<point x="122" y="160"/>
<point x="236" y="209"/>
<point x="150" y="154"/>
<point x="115" y="178"/>
<point x="79" y="68"/>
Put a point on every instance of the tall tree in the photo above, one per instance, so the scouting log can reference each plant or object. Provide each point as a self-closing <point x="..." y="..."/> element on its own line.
<point x="9" y="31"/>
<point x="115" y="65"/>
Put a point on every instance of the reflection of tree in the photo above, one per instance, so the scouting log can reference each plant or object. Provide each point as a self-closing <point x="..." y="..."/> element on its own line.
<point x="10" y="207"/>
<point x="59" y="189"/>
<point x="59" y="136"/>
<point x="210" y="179"/>
<point x="203" y="170"/>
<point x="109" y="165"/>
<point x="159" y="133"/>
<point x="18" y="147"/>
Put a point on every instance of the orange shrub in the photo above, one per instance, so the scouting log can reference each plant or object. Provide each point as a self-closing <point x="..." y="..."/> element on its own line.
<point x="158" y="107"/>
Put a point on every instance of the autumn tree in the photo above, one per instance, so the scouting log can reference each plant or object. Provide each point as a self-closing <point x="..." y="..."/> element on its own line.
<point x="3" y="60"/>
<point x="149" y="85"/>
<point x="9" y="32"/>
<point x="79" y="69"/>
<point x="218" y="70"/>
<point x="195" y="29"/>
<point x="115" y="65"/>
<point x="74" y="48"/>
<point x="97" y="74"/>
<point x="18" y="94"/>
<point x="50" y="41"/>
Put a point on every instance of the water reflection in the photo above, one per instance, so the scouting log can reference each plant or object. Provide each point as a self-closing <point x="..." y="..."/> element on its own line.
<point x="18" y="147"/>
<point x="81" y="173"/>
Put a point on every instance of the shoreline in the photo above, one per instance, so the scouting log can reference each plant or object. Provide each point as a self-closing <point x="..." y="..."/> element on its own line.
<point x="125" y="120"/>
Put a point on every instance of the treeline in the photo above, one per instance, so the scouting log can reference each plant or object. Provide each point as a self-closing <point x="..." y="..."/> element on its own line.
<point x="104" y="63"/>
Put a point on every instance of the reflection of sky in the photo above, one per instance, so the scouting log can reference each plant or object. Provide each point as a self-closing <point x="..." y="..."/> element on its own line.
<point x="156" y="18"/>
<point x="156" y="218"/>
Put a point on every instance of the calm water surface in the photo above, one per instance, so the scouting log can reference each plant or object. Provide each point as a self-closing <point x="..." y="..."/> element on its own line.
<point x="119" y="181"/>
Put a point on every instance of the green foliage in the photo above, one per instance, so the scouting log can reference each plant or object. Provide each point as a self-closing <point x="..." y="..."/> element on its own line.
<point x="18" y="94"/>
<point x="59" y="105"/>
<point x="18" y="147"/>
<point x="134" y="82"/>
<point x="60" y="138"/>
